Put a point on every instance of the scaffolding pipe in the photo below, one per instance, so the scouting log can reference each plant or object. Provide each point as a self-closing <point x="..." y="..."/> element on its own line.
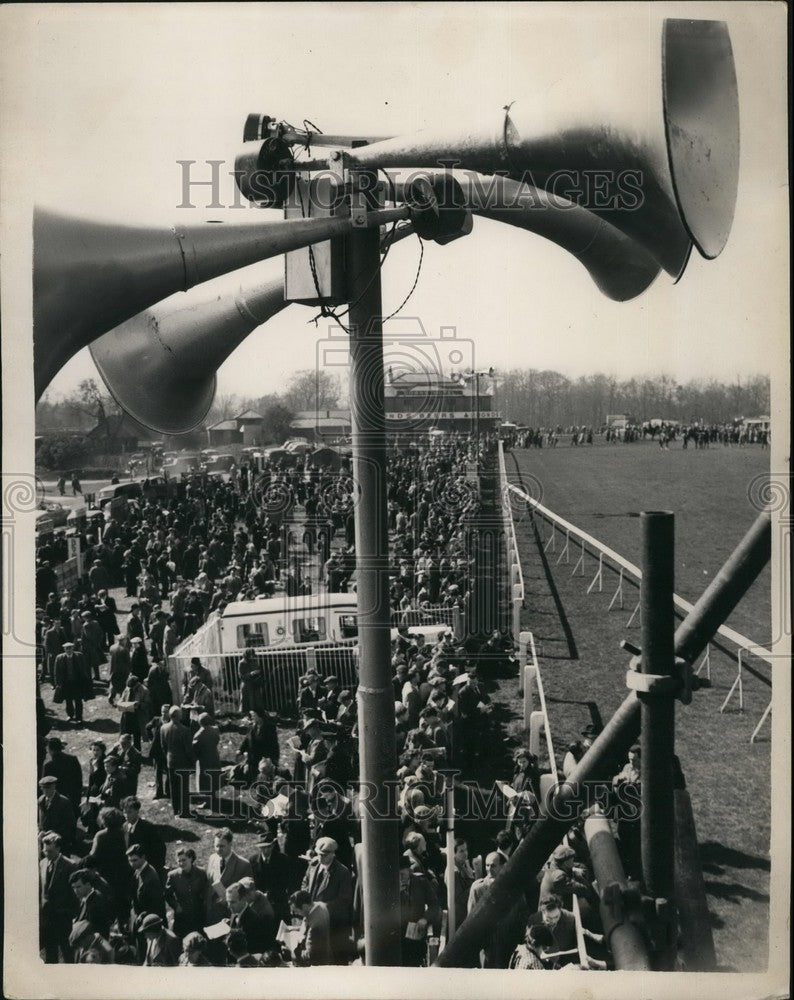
<point x="606" y="754"/>
<point x="657" y="712"/>
<point x="626" y="942"/>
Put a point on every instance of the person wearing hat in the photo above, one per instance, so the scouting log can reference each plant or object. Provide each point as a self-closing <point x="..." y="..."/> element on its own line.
<point x="272" y="872"/>
<point x="156" y="634"/>
<point x="86" y="944"/>
<point x="329" y="702"/>
<point x="199" y="701"/>
<point x="98" y="577"/>
<point x="563" y="879"/>
<point x="260" y="740"/>
<point x="119" y="669"/>
<point x="328" y="881"/>
<point x="66" y="768"/>
<point x="135" y="628"/>
<point x="419" y="911"/>
<point x="309" y="695"/>
<point x="134" y="709"/>
<point x="176" y="744"/>
<point x="163" y="948"/>
<point x="92" y="639"/>
<point x="73" y="678"/>
<point x="139" y="661"/>
<point x="55" y="812"/>
<point x="206" y="740"/>
<point x="53" y="638"/>
<point x="576" y="750"/>
<point x="338" y="764"/>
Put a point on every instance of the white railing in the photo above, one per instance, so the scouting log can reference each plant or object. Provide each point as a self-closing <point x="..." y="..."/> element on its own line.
<point x="536" y="721"/>
<point x="205" y="640"/>
<point x="588" y="544"/>
<point x="515" y="573"/>
<point x="281" y="670"/>
<point x="435" y="614"/>
<point x="602" y="552"/>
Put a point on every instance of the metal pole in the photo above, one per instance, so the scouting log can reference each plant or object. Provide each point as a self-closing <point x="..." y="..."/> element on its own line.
<point x="377" y="747"/>
<point x="449" y="794"/>
<point x="624" y="938"/>
<point x="657" y="739"/>
<point x="609" y="749"/>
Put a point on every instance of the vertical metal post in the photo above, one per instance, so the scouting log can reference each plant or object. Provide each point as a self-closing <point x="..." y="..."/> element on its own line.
<point x="377" y="748"/>
<point x="449" y="795"/>
<point x="657" y="736"/>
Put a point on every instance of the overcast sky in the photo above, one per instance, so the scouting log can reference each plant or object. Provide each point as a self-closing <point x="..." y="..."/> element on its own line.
<point x="108" y="98"/>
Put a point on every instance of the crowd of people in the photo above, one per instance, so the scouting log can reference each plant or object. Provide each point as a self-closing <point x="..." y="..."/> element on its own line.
<point x="112" y="890"/>
<point x="696" y="435"/>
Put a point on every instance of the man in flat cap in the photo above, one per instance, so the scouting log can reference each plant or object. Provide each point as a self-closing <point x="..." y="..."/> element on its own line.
<point x="66" y="768"/>
<point x="328" y="881"/>
<point x="55" y="811"/>
<point x="74" y="680"/>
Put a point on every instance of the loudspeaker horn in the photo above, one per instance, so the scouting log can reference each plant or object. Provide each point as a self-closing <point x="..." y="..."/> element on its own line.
<point x="648" y="141"/>
<point x="160" y="366"/>
<point x="88" y="277"/>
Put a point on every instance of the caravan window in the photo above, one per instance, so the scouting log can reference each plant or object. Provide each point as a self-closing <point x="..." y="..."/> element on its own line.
<point x="308" y="629"/>
<point x="252" y="634"/>
<point x="348" y="626"/>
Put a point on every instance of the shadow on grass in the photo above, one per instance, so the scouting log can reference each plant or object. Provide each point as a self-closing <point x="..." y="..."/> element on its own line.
<point x="735" y="892"/>
<point x="714" y="856"/>
<point x="573" y="653"/>
<point x="171" y="833"/>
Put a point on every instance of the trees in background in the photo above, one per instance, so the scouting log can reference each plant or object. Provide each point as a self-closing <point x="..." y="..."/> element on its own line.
<point x="547" y="398"/>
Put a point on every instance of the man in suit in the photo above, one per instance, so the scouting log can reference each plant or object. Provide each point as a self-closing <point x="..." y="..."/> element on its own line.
<point x="493" y="865"/>
<point x="56" y="814"/>
<point x="93" y="905"/>
<point x="130" y="761"/>
<point x="314" y="946"/>
<point x="57" y="901"/>
<point x="148" y="894"/>
<point x="176" y="743"/>
<point x="66" y="768"/>
<point x="119" y="669"/>
<point x="138" y="830"/>
<point x="419" y="909"/>
<point x="464" y="879"/>
<point x="223" y="869"/>
<point x="259" y="930"/>
<point x="271" y="873"/>
<point x="72" y="677"/>
<point x="329" y="881"/>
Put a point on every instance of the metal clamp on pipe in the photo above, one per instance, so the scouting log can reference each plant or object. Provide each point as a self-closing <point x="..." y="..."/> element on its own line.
<point x="680" y="684"/>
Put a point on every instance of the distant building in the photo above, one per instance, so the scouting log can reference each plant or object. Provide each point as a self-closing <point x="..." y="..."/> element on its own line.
<point x="224" y="432"/>
<point x="419" y="402"/>
<point x="245" y="429"/>
<point x="414" y="404"/>
<point x="117" y="434"/>
<point x="322" y="425"/>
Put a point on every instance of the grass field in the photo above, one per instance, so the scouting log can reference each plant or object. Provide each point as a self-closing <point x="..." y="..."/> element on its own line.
<point x="601" y="489"/>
